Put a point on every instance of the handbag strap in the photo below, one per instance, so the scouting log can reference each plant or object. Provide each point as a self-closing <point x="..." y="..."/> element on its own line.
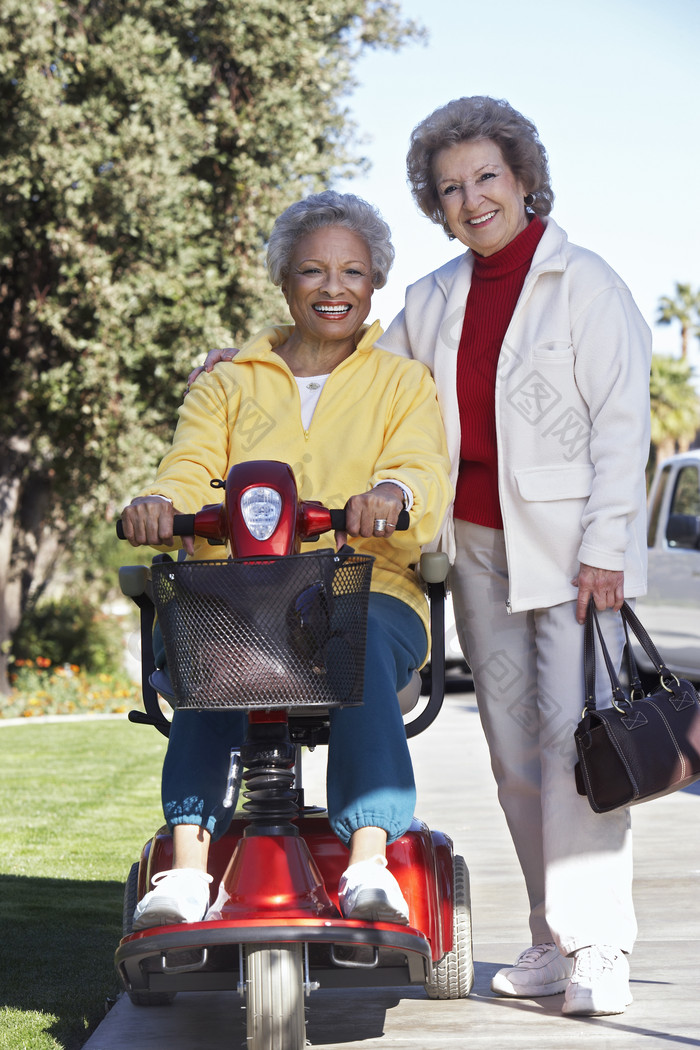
<point x="589" y="658"/>
<point x="635" y="681"/>
<point x="629" y="617"/>
<point x="630" y="622"/>
<point x="619" y="696"/>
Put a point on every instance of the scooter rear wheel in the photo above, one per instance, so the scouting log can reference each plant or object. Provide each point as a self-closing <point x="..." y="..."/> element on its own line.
<point x="453" y="976"/>
<point x="131" y="892"/>
<point x="275" y="997"/>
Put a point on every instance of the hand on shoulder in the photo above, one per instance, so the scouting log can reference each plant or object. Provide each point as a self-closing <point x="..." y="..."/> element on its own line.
<point x="226" y="353"/>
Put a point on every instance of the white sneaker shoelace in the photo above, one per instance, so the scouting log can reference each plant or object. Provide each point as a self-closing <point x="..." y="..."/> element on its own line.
<point x="191" y="874"/>
<point x="592" y="962"/>
<point x="534" y="954"/>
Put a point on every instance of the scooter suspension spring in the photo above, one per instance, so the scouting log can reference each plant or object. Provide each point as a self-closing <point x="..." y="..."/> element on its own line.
<point x="269" y="794"/>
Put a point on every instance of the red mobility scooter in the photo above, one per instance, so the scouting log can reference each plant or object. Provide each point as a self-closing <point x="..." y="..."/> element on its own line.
<point x="281" y="634"/>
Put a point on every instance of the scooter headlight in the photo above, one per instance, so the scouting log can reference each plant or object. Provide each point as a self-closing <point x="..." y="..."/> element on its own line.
<point x="261" y="508"/>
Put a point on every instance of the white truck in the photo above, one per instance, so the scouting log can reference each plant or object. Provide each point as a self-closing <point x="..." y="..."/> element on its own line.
<point x="670" y="610"/>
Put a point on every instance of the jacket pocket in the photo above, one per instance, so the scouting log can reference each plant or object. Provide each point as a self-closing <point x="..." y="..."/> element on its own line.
<point x="556" y="352"/>
<point x="545" y="484"/>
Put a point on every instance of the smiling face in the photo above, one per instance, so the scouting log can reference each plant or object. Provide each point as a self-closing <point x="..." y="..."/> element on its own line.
<point x="329" y="287"/>
<point x="481" y="199"/>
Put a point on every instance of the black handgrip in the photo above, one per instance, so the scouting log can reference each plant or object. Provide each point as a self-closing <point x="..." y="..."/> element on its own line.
<point x="338" y="520"/>
<point x="183" y="525"/>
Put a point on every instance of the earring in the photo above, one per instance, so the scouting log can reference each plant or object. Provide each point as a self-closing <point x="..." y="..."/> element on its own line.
<point x="529" y="199"/>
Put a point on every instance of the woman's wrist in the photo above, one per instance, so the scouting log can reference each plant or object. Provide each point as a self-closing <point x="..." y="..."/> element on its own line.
<point x="403" y="491"/>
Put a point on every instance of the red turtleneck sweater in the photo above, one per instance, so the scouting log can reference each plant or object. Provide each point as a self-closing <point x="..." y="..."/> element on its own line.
<point x="497" y="281"/>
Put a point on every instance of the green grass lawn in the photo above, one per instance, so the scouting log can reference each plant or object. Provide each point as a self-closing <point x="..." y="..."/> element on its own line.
<point x="77" y="802"/>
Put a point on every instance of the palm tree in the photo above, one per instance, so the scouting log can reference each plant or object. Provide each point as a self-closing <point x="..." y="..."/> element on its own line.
<point x="684" y="307"/>
<point x="675" y="407"/>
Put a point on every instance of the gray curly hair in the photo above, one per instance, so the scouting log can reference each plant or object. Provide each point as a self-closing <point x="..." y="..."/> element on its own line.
<point x="478" y="117"/>
<point x="330" y="209"/>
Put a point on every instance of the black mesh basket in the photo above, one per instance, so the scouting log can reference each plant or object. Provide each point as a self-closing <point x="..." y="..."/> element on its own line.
<point x="275" y="633"/>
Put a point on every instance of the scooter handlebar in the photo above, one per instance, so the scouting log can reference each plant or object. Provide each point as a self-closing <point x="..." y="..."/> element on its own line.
<point x="183" y="525"/>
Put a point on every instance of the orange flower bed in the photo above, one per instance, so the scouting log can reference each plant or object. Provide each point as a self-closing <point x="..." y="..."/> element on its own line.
<point x="37" y="688"/>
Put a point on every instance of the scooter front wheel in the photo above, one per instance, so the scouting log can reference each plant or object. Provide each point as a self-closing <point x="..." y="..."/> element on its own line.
<point x="275" y="997"/>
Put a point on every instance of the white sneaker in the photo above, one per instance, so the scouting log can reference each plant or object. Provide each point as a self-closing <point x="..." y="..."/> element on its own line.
<point x="600" y="983"/>
<point x="540" y="970"/>
<point x="180" y="895"/>
<point x="369" y="891"/>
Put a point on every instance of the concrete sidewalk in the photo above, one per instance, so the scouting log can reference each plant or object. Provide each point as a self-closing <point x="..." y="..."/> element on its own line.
<point x="456" y="794"/>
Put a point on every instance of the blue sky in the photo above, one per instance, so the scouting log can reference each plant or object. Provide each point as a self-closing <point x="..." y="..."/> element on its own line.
<point x="614" y="89"/>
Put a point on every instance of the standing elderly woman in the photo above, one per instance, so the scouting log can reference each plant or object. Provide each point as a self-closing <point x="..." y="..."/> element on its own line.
<point x="350" y="419"/>
<point x="541" y="360"/>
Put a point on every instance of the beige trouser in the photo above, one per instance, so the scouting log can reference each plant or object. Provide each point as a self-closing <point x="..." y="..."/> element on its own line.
<point x="528" y="677"/>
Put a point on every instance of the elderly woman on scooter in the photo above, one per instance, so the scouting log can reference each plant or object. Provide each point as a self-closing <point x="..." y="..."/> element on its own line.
<point x="352" y="420"/>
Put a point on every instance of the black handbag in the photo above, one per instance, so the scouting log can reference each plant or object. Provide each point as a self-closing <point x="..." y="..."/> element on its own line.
<point x="643" y="746"/>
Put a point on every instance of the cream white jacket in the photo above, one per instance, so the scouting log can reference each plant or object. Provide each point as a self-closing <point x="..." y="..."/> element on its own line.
<point x="572" y="414"/>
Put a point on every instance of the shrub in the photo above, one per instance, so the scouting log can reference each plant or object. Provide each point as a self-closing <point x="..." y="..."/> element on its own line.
<point x="69" y="630"/>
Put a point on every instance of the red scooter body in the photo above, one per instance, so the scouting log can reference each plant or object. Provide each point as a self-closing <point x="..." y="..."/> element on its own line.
<point x="274" y="896"/>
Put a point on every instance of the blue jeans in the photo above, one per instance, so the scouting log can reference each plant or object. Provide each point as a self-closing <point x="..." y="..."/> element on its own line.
<point x="370" y="776"/>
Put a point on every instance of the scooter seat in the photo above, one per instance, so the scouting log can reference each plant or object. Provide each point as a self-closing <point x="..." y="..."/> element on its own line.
<point x="160" y="680"/>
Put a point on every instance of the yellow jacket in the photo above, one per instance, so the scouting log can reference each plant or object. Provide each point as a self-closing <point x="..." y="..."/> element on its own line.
<point x="377" y="418"/>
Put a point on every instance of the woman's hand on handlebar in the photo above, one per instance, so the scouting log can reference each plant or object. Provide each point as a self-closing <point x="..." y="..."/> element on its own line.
<point x="148" y="521"/>
<point x="366" y="512"/>
<point x="212" y="358"/>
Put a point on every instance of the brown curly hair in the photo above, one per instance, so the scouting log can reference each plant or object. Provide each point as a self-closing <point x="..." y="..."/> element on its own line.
<point x="478" y="117"/>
